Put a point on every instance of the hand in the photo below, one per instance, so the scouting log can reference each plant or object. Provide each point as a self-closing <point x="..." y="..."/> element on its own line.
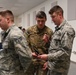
<point x="46" y="38"/>
<point x="34" y="54"/>
<point x="45" y="66"/>
<point x="43" y="56"/>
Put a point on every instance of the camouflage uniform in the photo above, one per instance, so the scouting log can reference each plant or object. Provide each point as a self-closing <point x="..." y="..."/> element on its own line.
<point x="36" y="43"/>
<point x="60" y="49"/>
<point x="15" y="57"/>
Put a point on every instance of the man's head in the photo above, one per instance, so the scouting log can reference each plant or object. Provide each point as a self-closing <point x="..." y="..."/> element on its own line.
<point x="56" y="14"/>
<point x="41" y="19"/>
<point x="6" y="19"/>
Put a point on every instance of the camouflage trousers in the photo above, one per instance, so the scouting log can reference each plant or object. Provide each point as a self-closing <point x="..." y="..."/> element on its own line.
<point x="36" y="70"/>
<point x="56" y="73"/>
<point x="3" y="72"/>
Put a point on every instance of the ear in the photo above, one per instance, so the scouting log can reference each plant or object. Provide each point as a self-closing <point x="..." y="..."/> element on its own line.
<point x="8" y="20"/>
<point x="46" y="19"/>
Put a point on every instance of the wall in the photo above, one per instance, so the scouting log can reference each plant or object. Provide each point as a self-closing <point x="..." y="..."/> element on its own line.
<point x="23" y="19"/>
<point x="73" y="54"/>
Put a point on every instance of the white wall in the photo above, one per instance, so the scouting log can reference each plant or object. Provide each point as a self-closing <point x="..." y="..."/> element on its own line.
<point x="73" y="55"/>
<point x="23" y="20"/>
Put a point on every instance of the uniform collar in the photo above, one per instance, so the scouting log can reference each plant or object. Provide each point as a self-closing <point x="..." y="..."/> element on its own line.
<point x="59" y="27"/>
<point x="4" y="32"/>
<point x="40" y="30"/>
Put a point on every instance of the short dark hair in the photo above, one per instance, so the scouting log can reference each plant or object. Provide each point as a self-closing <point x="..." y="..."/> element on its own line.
<point x="41" y="14"/>
<point x="56" y="9"/>
<point x="7" y="13"/>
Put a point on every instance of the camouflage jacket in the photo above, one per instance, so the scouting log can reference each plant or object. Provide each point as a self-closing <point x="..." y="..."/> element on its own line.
<point x="15" y="55"/>
<point x="60" y="47"/>
<point x="35" y="38"/>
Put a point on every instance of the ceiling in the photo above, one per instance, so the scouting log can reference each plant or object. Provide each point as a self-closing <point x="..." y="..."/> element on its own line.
<point x="19" y="6"/>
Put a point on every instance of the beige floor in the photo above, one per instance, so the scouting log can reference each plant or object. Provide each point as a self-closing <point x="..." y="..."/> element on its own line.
<point x="72" y="70"/>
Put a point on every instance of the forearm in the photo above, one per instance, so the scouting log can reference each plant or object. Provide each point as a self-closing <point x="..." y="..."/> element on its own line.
<point x="54" y="56"/>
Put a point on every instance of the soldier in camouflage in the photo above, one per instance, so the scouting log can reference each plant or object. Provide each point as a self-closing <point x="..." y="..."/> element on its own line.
<point x="15" y="55"/>
<point x="39" y="37"/>
<point x="61" y="44"/>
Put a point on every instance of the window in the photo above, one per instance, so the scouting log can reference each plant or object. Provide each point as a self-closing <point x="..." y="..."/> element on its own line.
<point x="34" y="17"/>
<point x="28" y="20"/>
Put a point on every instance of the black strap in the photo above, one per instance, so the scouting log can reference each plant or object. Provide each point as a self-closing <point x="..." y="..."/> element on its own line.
<point x="5" y="35"/>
